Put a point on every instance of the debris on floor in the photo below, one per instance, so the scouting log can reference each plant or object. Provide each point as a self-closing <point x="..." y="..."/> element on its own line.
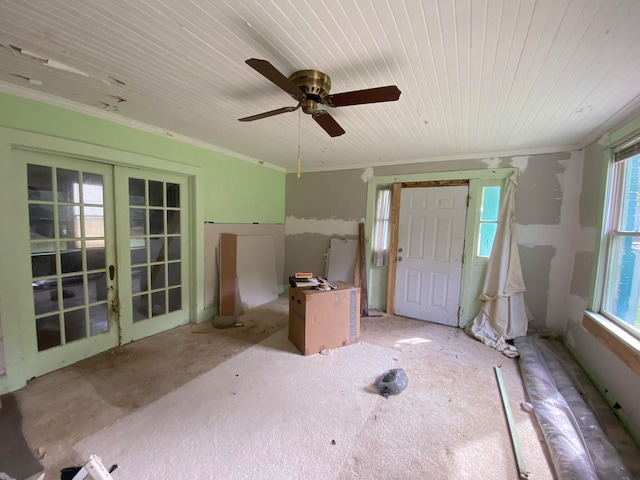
<point x="226" y="321"/>
<point x="392" y="382"/>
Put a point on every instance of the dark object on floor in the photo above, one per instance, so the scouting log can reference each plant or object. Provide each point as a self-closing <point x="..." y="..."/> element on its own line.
<point x="16" y="458"/>
<point x="392" y="382"/>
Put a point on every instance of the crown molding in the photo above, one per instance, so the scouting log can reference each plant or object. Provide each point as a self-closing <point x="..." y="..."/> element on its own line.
<point x="52" y="100"/>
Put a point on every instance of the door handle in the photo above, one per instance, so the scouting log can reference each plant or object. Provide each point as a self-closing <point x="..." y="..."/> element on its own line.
<point x="399" y="259"/>
<point x="112" y="272"/>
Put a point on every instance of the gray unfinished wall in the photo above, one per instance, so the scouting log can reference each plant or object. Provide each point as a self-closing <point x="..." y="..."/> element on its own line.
<point x="621" y="383"/>
<point x="322" y="205"/>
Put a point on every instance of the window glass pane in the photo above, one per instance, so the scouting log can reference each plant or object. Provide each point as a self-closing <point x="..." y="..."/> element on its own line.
<point x="48" y="332"/>
<point x="156" y="194"/>
<point x="630" y="219"/>
<point x="68" y="186"/>
<point x="485" y="242"/>
<point x="174" y="248"/>
<point x="173" y="221"/>
<point x="92" y="190"/>
<point x="74" y="325"/>
<point x="156" y="221"/>
<point x="97" y="283"/>
<point x="157" y="276"/>
<point x="98" y="319"/>
<point x="69" y="221"/>
<point x="490" y="204"/>
<point x="138" y="248"/>
<point x="96" y="259"/>
<point x="139" y="280"/>
<point x="137" y="221"/>
<point x="70" y="257"/>
<point x="41" y="221"/>
<point x="156" y="253"/>
<point x="43" y="261"/>
<point x="93" y="222"/>
<point x="136" y="191"/>
<point x="623" y="286"/>
<point x="175" y="299"/>
<point x="72" y="291"/>
<point x="175" y="277"/>
<point x="173" y="195"/>
<point x="45" y="295"/>
<point x="140" y="308"/>
<point x="158" y="303"/>
<point x="40" y="184"/>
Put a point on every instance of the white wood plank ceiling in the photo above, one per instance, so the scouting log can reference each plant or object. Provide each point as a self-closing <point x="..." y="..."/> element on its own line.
<point x="478" y="77"/>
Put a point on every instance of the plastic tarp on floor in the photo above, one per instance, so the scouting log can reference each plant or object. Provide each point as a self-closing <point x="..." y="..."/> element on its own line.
<point x="503" y="315"/>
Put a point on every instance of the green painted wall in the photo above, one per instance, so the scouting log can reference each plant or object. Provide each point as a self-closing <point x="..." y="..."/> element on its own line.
<point x="235" y="191"/>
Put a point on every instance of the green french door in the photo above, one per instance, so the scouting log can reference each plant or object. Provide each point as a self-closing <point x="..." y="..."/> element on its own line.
<point x="108" y="250"/>
<point x="73" y="259"/>
<point x="153" y="251"/>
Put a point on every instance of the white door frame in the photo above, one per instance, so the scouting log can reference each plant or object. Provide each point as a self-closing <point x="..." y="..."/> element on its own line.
<point x="13" y="293"/>
<point x="455" y="199"/>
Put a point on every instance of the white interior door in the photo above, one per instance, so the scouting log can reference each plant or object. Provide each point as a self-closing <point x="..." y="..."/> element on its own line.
<point x="430" y="246"/>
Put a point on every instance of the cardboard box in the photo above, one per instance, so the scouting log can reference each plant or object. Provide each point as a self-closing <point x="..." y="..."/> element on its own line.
<point x="322" y="320"/>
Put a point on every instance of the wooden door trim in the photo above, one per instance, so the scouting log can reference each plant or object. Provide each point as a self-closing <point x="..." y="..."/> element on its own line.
<point x="393" y="247"/>
<point x="435" y="183"/>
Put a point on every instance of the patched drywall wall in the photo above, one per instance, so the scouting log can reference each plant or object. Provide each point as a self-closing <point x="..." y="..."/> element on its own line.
<point x="319" y="205"/>
<point x="618" y="381"/>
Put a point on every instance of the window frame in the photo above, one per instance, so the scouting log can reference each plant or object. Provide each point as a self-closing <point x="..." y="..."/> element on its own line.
<point x="611" y="229"/>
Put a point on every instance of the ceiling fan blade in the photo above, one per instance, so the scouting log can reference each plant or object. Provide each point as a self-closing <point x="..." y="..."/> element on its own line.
<point x="269" y="114"/>
<point x="326" y="121"/>
<point x="272" y="74"/>
<point x="390" y="93"/>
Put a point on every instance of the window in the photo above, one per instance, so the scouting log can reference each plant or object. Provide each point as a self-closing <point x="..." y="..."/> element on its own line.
<point x="489" y="208"/>
<point x="621" y="292"/>
<point x="381" y="233"/>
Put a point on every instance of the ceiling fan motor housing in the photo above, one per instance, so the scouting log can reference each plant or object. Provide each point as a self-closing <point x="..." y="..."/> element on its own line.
<point x="315" y="85"/>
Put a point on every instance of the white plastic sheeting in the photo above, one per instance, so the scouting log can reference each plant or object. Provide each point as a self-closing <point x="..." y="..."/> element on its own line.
<point x="503" y="315"/>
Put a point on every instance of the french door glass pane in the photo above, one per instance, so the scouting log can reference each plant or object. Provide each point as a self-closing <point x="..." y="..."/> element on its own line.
<point x="65" y="295"/>
<point x="68" y="183"/>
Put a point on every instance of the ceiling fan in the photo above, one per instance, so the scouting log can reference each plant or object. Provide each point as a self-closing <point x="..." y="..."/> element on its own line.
<point x="311" y="88"/>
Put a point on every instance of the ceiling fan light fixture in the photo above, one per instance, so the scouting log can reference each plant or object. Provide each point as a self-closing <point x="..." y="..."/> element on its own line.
<point x="312" y="88"/>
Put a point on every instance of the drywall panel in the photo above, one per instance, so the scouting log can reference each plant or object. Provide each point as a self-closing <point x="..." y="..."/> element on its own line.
<point x="342" y="259"/>
<point x="212" y="233"/>
<point x="256" y="269"/>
